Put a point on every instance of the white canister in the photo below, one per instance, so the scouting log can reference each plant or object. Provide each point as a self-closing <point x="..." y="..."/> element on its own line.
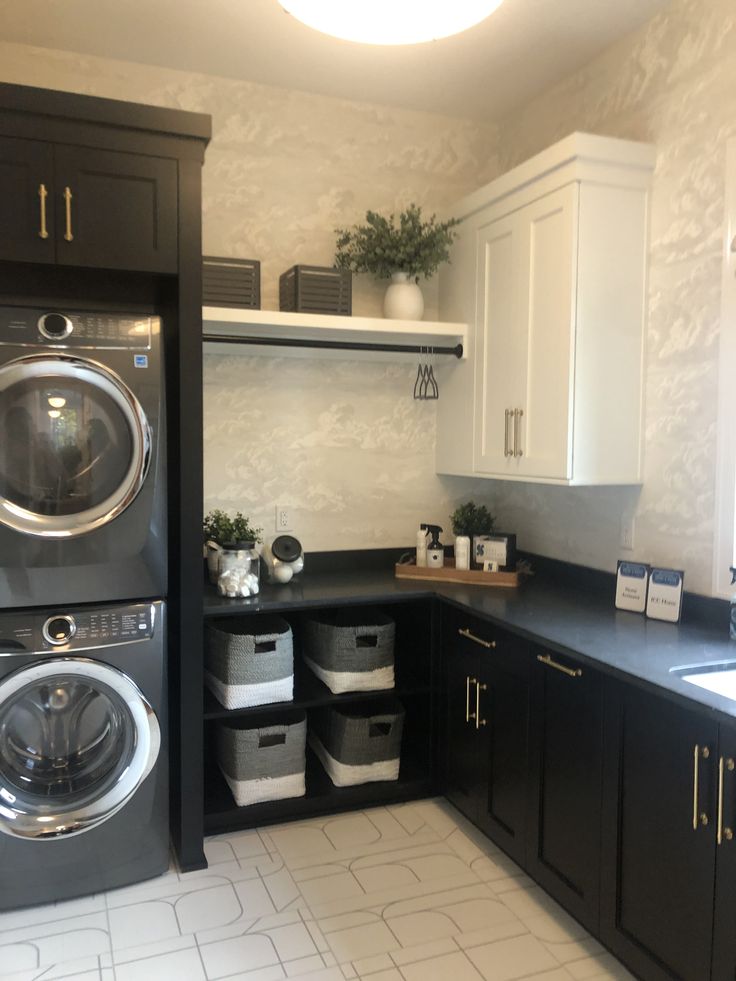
<point x="462" y="553"/>
<point x="421" y="548"/>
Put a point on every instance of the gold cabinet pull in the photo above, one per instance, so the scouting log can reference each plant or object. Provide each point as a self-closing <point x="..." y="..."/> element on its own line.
<point x="42" y="195"/>
<point x="727" y="833"/>
<point x="464" y="632"/>
<point x="506" y="442"/>
<point x="468" y="682"/>
<point x="570" y="672"/>
<point x="699" y="819"/>
<point x="518" y="413"/>
<point x="68" y="237"/>
<point x="478" y="689"/>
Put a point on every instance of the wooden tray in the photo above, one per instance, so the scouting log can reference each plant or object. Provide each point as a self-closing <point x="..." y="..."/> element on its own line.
<point x="448" y="573"/>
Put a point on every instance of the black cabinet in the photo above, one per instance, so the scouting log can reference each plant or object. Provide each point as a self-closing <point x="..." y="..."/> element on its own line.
<point x="565" y="783"/>
<point x="660" y="811"/>
<point x="724" y="932"/>
<point x="78" y="206"/>
<point x="486" y="677"/>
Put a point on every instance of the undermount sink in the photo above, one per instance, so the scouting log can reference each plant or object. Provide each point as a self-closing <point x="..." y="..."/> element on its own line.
<point x="719" y="678"/>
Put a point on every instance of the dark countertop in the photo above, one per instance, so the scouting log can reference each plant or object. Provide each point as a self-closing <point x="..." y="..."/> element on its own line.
<point x="571" y="621"/>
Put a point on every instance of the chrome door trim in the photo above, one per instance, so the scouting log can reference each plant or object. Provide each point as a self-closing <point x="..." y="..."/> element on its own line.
<point x="19" y="819"/>
<point x="97" y="375"/>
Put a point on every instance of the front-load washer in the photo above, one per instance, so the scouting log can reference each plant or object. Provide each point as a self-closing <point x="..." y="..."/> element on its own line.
<point x="82" y="457"/>
<point x="83" y="750"/>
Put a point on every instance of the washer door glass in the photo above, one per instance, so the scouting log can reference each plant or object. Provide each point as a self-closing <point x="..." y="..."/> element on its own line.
<point x="76" y="739"/>
<point x="74" y="445"/>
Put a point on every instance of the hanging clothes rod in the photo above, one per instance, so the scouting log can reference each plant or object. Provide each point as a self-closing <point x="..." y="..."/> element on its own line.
<point x="456" y="350"/>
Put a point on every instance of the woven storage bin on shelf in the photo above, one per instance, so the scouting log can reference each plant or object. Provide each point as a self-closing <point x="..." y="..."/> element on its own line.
<point x="361" y="744"/>
<point x="351" y="650"/>
<point x="316" y="289"/>
<point x="231" y="282"/>
<point x="264" y="762"/>
<point x="249" y="660"/>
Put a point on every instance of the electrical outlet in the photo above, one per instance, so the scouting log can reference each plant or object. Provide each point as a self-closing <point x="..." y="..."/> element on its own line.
<point x="627" y="532"/>
<point x="283" y="518"/>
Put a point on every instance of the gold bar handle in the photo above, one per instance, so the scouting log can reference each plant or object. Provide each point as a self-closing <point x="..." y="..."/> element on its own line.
<point x="478" y="689"/>
<point x="506" y="416"/>
<point x="42" y="195"/>
<point x="68" y="237"/>
<point x="727" y="833"/>
<point x="570" y="672"/>
<point x="468" y="682"/>
<point x="699" y="819"/>
<point x="518" y="413"/>
<point x="464" y="632"/>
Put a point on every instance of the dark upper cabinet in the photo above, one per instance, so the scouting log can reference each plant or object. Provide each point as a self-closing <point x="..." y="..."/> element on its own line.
<point x="724" y="933"/>
<point x="487" y="706"/>
<point x="26" y="201"/>
<point x="660" y="837"/>
<point x="565" y="783"/>
<point x="85" y="207"/>
<point x="115" y="210"/>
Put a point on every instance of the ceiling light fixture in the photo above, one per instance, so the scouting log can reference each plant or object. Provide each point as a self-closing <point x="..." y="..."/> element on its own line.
<point x="390" y="21"/>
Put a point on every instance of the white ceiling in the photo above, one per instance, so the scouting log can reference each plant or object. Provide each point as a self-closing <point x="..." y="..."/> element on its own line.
<point x="484" y="73"/>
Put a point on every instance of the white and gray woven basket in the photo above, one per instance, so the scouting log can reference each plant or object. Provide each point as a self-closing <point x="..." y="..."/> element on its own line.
<point x="263" y="763"/>
<point x="351" y="650"/>
<point x="249" y="660"/>
<point x="361" y="744"/>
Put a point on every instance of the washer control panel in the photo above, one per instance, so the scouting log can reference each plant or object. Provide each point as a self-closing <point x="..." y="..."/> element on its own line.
<point x="67" y="630"/>
<point x="36" y="327"/>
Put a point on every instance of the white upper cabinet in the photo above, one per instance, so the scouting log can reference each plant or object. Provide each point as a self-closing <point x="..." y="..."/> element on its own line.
<point x="550" y="272"/>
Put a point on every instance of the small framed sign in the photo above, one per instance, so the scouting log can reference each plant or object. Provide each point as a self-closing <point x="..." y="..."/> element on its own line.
<point x="664" y="601"/>
<point x="632" y="579"/>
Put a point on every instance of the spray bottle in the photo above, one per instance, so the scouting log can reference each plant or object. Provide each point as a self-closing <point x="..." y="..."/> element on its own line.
<point x="732" y="618"/>
<point x="435" y="551"/>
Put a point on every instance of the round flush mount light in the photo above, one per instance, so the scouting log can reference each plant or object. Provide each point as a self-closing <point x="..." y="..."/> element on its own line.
<point x="390" y="21"/>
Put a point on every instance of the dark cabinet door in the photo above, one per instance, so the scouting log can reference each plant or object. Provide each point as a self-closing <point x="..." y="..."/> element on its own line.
<point x="115" y="210"/>
<point x="724" y="931"/>
<point x="26" y="201"/>
<point x="464" y="779"/>
<point x="503" y="718"/>
<point x="565" y="787"/>
<point x="659" y="840"/>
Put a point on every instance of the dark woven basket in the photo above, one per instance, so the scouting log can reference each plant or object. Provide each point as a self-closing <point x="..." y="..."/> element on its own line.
<point x="231" y="282"/>
<point x="316" y="289"/>
<point x="361" y="735"/>
<point x="249" y="650"/>
<point x="248" y="752"/>
<point x="349" y="640"/>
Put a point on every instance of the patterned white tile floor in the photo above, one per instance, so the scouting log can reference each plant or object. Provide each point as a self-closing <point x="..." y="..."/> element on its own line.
<point x="406" y="893"/>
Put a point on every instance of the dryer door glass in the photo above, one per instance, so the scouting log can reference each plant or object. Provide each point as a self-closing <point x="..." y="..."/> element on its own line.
<point x="74" y="445"/>
<point x="76" y="739"/>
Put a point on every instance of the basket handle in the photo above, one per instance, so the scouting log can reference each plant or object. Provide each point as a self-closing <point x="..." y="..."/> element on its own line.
<point x="271" y="739"/>
<point x="265" y="647"/>
<point x="379" y="729"/>
<point x="366" y="640"/>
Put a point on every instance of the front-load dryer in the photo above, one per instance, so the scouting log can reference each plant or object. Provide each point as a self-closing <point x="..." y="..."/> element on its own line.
<point x="82" y="457"/>
<point x="83" y="750"/>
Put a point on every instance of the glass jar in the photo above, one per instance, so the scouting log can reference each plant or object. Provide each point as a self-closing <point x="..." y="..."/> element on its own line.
<point x="239" y="570"/>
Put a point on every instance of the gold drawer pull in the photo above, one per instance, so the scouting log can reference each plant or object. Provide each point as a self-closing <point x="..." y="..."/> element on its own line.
<point x="570" y="672"/>
<point x="699" y="820"/>
<point x="478" y="689"/>
<point x="464" y="632"/>
<point x="727" y="833"/>
<point x="42" y="195"/>
<point x="468" y="682"/>
<point x="68" y="237"/>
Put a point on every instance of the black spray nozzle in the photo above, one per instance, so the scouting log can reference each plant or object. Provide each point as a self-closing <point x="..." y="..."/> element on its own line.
<point x="731" y="569"/>
<point x="435" y="531"/>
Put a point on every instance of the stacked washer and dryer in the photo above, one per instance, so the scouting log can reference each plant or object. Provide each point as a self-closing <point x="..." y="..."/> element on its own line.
<point x="83" y="560"/>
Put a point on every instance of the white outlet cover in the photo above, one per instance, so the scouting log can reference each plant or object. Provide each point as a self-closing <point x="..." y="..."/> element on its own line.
<point x="283" y="518"/>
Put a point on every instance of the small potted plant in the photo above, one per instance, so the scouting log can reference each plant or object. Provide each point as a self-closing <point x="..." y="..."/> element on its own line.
<point x="402" y="250"/>
<point x="220" y="531"/>
<point x="469" y="523"/>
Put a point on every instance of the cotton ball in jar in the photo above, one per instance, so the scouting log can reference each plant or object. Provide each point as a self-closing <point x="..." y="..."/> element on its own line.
<point x="282" y="573"/>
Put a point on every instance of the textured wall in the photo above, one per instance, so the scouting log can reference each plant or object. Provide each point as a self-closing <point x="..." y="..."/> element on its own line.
<point x="672" y="83"/>
<point x="341" y="441"/>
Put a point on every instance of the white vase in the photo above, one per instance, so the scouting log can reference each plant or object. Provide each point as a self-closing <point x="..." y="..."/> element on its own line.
<point x="403" y="299"/>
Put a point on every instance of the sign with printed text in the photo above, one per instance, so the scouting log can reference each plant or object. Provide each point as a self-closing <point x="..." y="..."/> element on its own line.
<point x="632" y="579"/>
<point x="664" y="601"/>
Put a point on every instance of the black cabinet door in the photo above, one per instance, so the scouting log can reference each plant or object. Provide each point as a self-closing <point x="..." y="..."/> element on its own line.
<point x="26" y="201"/>
<point x="464" y="780"/>
<point x="724" y="931"/>
<point x="115" y="210"/>
<point x="503" y="718"/>
<point x="565" y="787"/>
<point x="659" y="839"/>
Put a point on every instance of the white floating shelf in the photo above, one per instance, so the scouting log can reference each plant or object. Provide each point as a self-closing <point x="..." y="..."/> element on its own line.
<point x="265" y="324"/>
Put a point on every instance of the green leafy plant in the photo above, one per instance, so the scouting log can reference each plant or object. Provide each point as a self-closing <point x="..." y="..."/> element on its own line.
<point x="221" y="528"/>
<point x="382" y="246"/>
<point x="472" y="519"/>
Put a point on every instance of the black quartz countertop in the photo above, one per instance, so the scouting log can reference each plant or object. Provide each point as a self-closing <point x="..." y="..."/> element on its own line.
<point x="571" y="620"/>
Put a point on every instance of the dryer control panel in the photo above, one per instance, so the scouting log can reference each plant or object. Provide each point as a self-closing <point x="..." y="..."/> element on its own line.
<point x="38" y="327"/>
<point x="78" y="629"/>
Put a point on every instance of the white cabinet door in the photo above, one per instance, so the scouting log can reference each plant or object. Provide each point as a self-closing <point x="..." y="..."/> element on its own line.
<point x="524" y="353"/>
